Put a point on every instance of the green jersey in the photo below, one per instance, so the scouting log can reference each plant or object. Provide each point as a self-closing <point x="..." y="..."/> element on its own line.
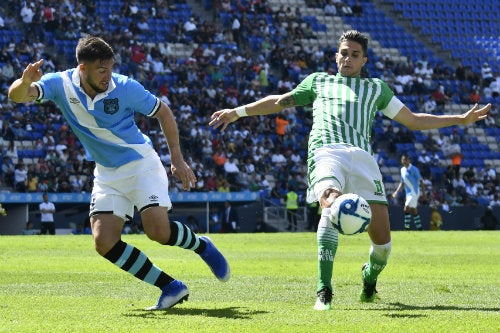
<point x="344" y="108"/>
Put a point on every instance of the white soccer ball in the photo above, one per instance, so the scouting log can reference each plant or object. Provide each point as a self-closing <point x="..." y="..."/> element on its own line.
<point x="350" y="214"/>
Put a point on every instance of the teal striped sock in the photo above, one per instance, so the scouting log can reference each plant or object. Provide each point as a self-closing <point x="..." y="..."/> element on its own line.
<point x="136" y="262"/>
<point x="407" y="221"/>
<point x="417" y="221"/>
<point x="182" y="236"/>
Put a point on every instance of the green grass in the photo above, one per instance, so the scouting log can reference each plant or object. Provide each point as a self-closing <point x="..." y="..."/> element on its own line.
<point x="435" y="282"/>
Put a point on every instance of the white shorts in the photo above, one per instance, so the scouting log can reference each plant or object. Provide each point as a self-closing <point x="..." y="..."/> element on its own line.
<point x="347" y="169"/>
<point x="412" y="200"/>
<point x="142" y="183"/>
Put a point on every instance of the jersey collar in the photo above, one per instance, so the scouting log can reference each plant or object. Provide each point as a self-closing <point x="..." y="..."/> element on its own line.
<point x="75" y="78"/>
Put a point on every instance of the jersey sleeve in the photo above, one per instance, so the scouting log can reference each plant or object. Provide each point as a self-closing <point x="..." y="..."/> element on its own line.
<point x="48" y="86"/>
<point x="304" y="94"/>
<point x="387" y="102"/>
<point x="142" y="100"/>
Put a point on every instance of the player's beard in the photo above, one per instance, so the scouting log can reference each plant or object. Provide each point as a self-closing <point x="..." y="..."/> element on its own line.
<point x="96" y="87"/>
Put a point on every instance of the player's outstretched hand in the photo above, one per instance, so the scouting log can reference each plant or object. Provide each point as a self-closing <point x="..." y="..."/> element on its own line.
<point x="223" y="118"/>
<point x="476" y="114"/>
<point x="184" y="173"/>
<point x="32" y="72"/>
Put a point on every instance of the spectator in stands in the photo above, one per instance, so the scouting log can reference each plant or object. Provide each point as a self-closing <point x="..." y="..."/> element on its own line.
<point x="440" y="98"/>
<point x="495" y="202"/>
<point x="430" y="105"/>
<point x="475" y="97"/>
<point x="27" y="14"/>
<point x="343" y="8"/>
<point x="8" y="169"/>
<point x="281" y="126"/>
<point x="143" y="25"/>
<point x="123" y="161"/>
<point x="7" y="73"/>
<point x="19" y="131"/>
<point x="48" y="140"/>
<point x="231" y="170"/>
<point x="190" y="27"/>
<point x="330" y="8"/>
<point x="330" y="144"/>
<point x="357" y="9"/>
<point x="418" y="79"/>
<point x="486" y="74"/>
<point x="236" y="30"/>
<point x="130" y="9"/>
<point x="404" y="135"/>
<point x="32" y="183"/>
<point x="20" y="177"/>
<point x="10" y="151"/>
<point x="459" y="72"/>
<point x="76" y="183"/>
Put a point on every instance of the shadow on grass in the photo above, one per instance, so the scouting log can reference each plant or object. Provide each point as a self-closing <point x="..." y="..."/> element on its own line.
<point x="405" y="307"/>
<point x="231" y="312"/>
<point x="401" y="306"/>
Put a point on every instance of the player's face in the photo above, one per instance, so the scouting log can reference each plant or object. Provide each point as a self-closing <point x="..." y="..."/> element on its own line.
<point x="96" y="76"/>
<point x="405" y="161"/>
<point x="350" y="58"/>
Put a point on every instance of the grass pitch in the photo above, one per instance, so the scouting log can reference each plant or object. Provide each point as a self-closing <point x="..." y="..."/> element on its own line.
<point x="435" y="282"/>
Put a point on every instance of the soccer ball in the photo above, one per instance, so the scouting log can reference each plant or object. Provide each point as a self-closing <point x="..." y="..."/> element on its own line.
<point x="350" y="214"/>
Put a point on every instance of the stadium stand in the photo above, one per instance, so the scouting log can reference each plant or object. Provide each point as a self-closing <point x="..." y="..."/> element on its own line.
<point x="205" y="70"/>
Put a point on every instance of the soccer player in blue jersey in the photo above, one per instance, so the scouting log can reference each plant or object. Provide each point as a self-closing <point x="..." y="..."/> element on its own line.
<point x="414" y="187"/>
<point x="99" y="105"/>
<point x="340" y="158"/>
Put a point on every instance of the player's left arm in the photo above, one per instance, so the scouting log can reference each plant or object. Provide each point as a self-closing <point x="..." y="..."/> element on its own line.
<point x="425" y="121"/>
<point x="179" y="167"/>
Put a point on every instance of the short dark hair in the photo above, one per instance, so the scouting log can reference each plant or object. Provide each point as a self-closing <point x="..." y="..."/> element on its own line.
<point x="92" y="48"/>
<point x="355" y="36"/>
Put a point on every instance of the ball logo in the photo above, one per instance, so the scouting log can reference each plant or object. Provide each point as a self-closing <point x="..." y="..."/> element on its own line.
<point x="366" y="208"/>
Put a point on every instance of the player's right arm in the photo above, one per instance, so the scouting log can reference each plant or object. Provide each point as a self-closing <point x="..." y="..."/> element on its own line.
<point x="23" y="90"/>
<point x="400" y="186"/>
<point x="267" y="105"/>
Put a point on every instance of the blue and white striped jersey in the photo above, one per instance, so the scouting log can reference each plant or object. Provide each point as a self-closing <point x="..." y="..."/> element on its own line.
<point x="411" y="179"/>
<point x="104" y="125"/>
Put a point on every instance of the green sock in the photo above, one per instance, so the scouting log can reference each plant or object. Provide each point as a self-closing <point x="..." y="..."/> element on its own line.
<point x="327" y="247"/>
<point x="376" y="263"/>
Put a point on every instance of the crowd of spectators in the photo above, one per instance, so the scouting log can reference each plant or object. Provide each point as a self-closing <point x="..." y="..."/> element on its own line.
<point x="225" y="69"/>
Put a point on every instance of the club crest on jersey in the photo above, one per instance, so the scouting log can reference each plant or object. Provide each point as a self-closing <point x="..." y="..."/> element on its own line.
<point x="111" y="106"/>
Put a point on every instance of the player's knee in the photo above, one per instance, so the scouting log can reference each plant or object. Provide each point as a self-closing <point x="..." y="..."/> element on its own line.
<point x="328" y="197"/>
<point x="102" y="243"/>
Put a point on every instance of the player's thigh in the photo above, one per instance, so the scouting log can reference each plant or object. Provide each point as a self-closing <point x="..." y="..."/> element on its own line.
<point x="328" y="169"/>
<point x="365" y="178"/>
<point x="411" y="202"/>
<point x="379" y="228"/>
<point x="150" y="189"/>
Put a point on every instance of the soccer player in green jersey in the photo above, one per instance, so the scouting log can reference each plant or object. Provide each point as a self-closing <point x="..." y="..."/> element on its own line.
<point x="340" y="158"/>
